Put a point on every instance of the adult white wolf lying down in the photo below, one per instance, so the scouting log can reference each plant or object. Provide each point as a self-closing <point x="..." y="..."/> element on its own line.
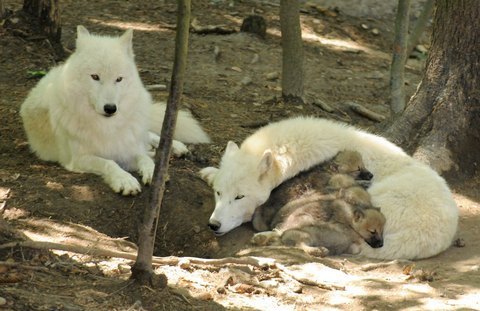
<point x="421" y="215"/>
<point x="92" y="114"/>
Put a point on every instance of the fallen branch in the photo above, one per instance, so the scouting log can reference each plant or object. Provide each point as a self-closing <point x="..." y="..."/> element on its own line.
<point x="210" y="29"/>
<point x="364" y="112"/>
<point x="323" y="105"/>
<point x="171" y="260"/>
<point x="21" y="265"/>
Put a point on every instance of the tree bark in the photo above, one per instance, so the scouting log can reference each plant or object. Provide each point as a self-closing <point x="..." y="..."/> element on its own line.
<point x="292" y="51"/>
<point x="47" y="12"/>
<point x="142" y="269"/>
<point x="397" y="74"/>
<point x="441" y="123"/>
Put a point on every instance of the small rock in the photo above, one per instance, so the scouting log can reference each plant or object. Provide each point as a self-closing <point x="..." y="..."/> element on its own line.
<point x="255" y="59"/>
<point x="421" y="48"/>
<point x="272" y="76"/>
<point x="204" y="296"/>
<point x="375" y="31"/>
<point x="365" y="26"/>
<point x="184" y="263"/>
<point x="246" y="80"/>
<point x="459" y="242"/>
<point x="237" y="69"/>
<point x="196" y="229"/>
<point x="221" y="290"/>
<point x="3" y="301"/>
<point x="123" y="268"/>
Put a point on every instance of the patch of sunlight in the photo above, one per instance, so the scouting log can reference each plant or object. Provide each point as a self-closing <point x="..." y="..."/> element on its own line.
<point x="131" y="25"/>
<point x="470" y="265"/>
<point x="470" y="299"/>
<point x="337" y="44"/>
<point x="82" y="193"/>
<point x="418" y="288"/>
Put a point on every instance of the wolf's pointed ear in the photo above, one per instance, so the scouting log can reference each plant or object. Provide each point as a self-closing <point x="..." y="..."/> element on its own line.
<point x="266" y="163"/>
<point x="231" y="147"/>
<point x="82" y="33"/>
<point x="358" y="215"/>
<point x="126" y="40"/>
<point x="208" y="174"/>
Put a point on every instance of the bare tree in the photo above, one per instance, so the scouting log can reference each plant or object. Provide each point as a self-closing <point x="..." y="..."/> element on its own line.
<point x="441" y="122"/>
<point x="292" y="49"/>
<point x="47" y="12"/>
<point x="142" y="269"/>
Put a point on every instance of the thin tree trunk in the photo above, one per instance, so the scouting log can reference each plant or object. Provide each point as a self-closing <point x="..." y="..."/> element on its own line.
<point x="142" y="269"/>
<point x="292" y="50"/>
<point x="48" y="14"/>
<point x="2" y="9"/>
<point x="397" y="76"/>
<point x="420" y="26"/>
<point x="441" y="123"/>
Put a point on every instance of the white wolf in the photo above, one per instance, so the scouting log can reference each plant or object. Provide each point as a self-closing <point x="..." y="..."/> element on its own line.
<point x="93" y="114"/>
<point x="421" y="215"/>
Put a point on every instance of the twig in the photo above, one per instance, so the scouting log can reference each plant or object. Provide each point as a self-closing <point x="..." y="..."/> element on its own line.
<point x="171" y="260"/>
<point x="367" y="113"/>
<point x="22" y="266"/>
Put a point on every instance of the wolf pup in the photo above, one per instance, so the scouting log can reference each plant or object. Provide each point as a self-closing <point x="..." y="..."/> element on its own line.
<point x="343" y="171"/>
<point x="92" y="114"/>
<point x="338" y="228"/>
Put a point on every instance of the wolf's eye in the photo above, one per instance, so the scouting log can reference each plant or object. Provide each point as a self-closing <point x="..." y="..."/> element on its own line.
<point x="119" y="79"/>
<point x="95" y="77"/>
<point x="239" y="197"/>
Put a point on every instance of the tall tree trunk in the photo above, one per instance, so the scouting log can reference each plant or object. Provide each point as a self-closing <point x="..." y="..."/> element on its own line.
<point x="142" y="269"/>
<point x="2" y="9"/>
<point x="397" y="75"/>
<point x="441" y="124"/>
<point x="47" y="12"/>
<point x="292" y="49"/>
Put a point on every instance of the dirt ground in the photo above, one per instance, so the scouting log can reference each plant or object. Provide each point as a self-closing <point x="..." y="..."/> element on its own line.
<point x="346" y="60"/>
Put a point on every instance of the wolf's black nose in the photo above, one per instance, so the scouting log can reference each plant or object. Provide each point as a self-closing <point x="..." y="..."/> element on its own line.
<point x="365" y="175"/>
<point x="110" y="109"/>
<point x="214" y="225"/>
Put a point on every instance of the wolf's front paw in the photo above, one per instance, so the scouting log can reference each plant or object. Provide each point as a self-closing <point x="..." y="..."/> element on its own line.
<point x="124" y="183"/>
<point x="146" y="167"/>
<point x="265" y="238"/>
<point x="179" y="149"/>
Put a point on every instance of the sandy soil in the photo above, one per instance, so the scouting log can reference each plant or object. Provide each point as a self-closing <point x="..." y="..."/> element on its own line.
<point x="44" y="202"/>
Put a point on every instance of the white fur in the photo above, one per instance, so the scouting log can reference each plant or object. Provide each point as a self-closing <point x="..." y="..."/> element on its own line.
<point x="421" y="214"/>
<point x="65" y="121"/>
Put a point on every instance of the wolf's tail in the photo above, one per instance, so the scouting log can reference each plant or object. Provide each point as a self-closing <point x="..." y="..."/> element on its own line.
<point x="187" y="130"/>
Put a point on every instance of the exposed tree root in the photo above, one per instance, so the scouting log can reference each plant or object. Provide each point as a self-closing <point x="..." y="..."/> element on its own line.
<point x="171" y="260"/>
